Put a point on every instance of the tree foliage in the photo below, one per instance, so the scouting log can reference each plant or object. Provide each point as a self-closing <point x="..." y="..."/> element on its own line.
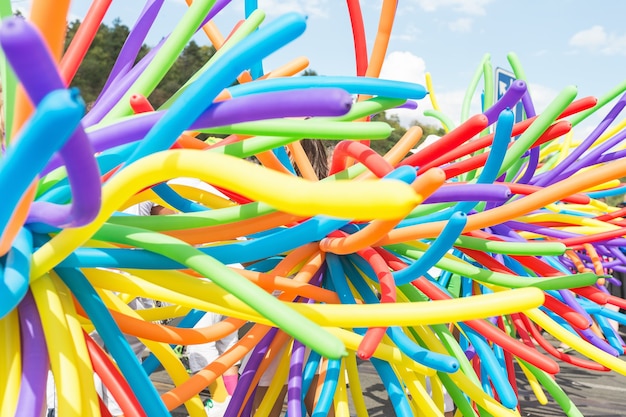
<point x="100" y="58"/>
<point x="383" y="146"/>
<point x="190" y="61"/>
<point x="109" y="40"/>
<point x="105" y="49"/>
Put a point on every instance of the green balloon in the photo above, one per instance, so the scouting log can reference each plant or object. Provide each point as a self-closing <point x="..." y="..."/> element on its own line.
<point x="555" y="391"/>
<point x="264" y="303"/>
<point x="497" y="278"/>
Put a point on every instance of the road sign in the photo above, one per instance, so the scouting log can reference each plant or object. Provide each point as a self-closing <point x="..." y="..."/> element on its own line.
<point x="504" y="79"/>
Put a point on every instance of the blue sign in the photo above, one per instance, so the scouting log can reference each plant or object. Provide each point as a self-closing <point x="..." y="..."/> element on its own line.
<point x="504" y="79"/>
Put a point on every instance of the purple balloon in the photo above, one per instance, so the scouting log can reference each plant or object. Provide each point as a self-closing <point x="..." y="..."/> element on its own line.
<point x="594" y="156"/>
<point x="559" y="234"/>
<point x="591" y="337"/>
<point x="571" y="301"/>
<point x="533" y="160"/>
<point x="558" y="172"/>
<point x="84" y="177"/>
<point x="217" y="7"/>
<point x="121" y="76"/>
<point x="296" y="366"/>
<point x="510" y="98"/>
<point x="325" y="102"/>
<point x="507" y="233"/>
<point x="120" y="85"/>
<point x="603" y="159"/>
<point x="35" y="364"/>
<point x="294" y="385"/>
<point x="251" y="368"/>
<point x="469" y="192"/>
<point x="132" y="45"/>
<point x="39" y="75"/>
<point x="409" y="104"/>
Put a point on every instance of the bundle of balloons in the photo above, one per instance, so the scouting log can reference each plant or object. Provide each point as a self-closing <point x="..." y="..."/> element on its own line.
<point x="450" y="267"/>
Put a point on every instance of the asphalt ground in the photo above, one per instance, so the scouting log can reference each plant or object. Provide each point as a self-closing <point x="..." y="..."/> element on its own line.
<point x="595" y="394"/>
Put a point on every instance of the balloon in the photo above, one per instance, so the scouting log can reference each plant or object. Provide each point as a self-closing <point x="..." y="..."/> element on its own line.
<point x="16" y="272"/>
<point x="84" y="36"/>
<point x="61" y="110"/>
<point x="133" y="43"/>
<point x="496" y="228"/>
<point x="35" y="363"/>
<point x="15" y="35"/>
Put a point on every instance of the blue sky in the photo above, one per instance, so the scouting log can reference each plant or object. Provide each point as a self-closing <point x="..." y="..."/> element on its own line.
<point x="558" y="42"/>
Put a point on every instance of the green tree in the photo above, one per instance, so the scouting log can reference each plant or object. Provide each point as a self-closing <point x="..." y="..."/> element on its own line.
<point x="429" y="129"/>
<point x="100" y="58"/>
<point x="190" y="61"/>
<point x="97" y="64"/>
<point x="383" y="146"/>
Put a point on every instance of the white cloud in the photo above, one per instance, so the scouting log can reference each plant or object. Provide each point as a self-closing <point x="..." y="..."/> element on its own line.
<point x="596" y="39"/>
<point x="405" y="66"/>
<point x="471" y="7"/>
<point x="462" y="24"/>
<point x="589" y="38"/>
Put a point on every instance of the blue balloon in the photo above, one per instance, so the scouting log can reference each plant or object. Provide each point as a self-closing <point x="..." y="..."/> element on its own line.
<point x="15" y="276"/>
<point x="113" y="338"/>
<point x="56" y="118"/>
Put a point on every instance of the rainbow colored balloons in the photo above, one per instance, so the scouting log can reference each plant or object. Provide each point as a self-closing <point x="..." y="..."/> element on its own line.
<point x="444" y="264"/>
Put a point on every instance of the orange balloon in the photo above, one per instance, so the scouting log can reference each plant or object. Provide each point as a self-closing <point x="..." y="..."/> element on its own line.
<point x="385" y="24"/>
<point x="541" y="198"/>
<point x="424" y="185"/>
<point x="209" y="374"/>
<point x="17" y="219"/>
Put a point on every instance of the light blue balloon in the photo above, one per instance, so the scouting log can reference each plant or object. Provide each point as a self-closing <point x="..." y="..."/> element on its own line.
<point x="442" y="244"/>
<point x="403" y="342"/>
<point x="14" y="277"/>
<point x="328" y="388"/>
<point x="353" y="85"/>
<point x="55" y="119"/>
<point x="496" y="373"/>
<point x="200" y="94"/>
<point x="120" y="350"/>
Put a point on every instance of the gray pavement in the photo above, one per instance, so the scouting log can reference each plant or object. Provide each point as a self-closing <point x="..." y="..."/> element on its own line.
<point x="595" y="394"/>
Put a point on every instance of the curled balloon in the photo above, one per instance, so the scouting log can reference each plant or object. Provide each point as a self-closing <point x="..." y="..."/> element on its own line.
<point x="495" y="229"/>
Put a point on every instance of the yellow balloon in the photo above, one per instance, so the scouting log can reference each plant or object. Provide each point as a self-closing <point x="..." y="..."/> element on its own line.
<point x="164" y="354"/>
<point x="534" y="384"/>
<point x="413" y="314"/>
<point x="576" y="343"/>
<point x="358" y="200"/>
<point x="205" y="295"/>
<point x="83" y="365"/>
<point x="355" y="385"/>
<point x="63" y="359"/>
<point x="342" y="408"/>
<point x="10" y="364"/>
